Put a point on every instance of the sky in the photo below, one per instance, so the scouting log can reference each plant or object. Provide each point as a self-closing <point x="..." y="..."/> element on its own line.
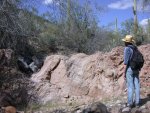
<point x="120" y="9"/>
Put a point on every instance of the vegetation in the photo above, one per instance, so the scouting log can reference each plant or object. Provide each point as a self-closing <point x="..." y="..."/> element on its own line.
<point x="67" y="26"/>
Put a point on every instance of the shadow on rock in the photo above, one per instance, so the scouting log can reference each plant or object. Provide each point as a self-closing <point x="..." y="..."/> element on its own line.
<point x="145" y="100"/>
<point x="17" y="98"/>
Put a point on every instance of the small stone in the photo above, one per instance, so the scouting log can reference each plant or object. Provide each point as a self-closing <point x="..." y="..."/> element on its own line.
<point x="125" y="97"/>
<point x="127" y="109"/>
<point x="142" y="107"/>
<point x="66" y="96"/>
<point x="118" y="102"/>
<point x="78" y="111"/>
<point x="123" y="106"/>
<point x="110" y="105"/>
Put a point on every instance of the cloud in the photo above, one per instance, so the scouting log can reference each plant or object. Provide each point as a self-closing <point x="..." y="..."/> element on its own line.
<point x="122" y="4"/>
<point x="47" y="2"/>
<point x="144" y="22"/>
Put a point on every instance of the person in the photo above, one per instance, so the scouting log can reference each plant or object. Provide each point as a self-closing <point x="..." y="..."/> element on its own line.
<point x="131" y="76"/>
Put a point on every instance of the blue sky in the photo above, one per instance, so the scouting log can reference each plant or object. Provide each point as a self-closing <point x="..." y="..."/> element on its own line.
<point x="120" y="9"/>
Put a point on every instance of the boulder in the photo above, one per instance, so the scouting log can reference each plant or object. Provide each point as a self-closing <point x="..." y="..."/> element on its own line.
<point x="83" y="78"/>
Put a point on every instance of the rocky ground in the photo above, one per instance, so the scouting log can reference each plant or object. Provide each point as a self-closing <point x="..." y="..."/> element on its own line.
<point x="109" y="105"/>
<point x="118" y="105"/>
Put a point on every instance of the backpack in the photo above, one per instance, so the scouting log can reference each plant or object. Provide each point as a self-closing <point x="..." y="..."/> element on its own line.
<point x="137" y="61"/>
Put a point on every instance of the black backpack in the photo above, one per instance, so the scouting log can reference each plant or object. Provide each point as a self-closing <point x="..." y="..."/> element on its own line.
<point x="137" y="61"/>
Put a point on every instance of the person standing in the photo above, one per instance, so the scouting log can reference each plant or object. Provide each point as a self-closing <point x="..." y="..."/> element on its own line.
<point x="131" y="76"/>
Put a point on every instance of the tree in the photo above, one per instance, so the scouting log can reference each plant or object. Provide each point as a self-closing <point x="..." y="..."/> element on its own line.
<point x="17" y="26"/>
<point x="138" y="30"/>
<point x="127" y="27"/>
<point x="77" y="23"/>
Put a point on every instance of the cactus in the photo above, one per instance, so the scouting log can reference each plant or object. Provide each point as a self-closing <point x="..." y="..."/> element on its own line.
<point x="116" y="25"/>
<point x="68" y="13"/>
<point x="135" y="17"/>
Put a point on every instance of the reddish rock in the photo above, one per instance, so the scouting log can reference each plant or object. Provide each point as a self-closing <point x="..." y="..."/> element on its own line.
<point x="91" y="77"/>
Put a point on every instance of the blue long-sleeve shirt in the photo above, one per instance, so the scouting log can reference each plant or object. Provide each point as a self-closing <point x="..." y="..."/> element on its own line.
<point x="127" y="55"/>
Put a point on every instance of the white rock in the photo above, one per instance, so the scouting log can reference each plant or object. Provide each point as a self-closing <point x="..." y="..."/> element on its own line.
<point x="127" y="109"/>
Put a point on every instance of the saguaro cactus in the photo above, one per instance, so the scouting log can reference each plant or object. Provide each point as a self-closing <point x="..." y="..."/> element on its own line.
<point x="116" y="25"/>
<point x="68" y="13"/>
<point x="135" y="17"/>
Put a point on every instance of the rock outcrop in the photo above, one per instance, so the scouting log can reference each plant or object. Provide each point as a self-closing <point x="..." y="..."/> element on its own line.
<point x="85" y="78"/>
<point x="145" y="72"/>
